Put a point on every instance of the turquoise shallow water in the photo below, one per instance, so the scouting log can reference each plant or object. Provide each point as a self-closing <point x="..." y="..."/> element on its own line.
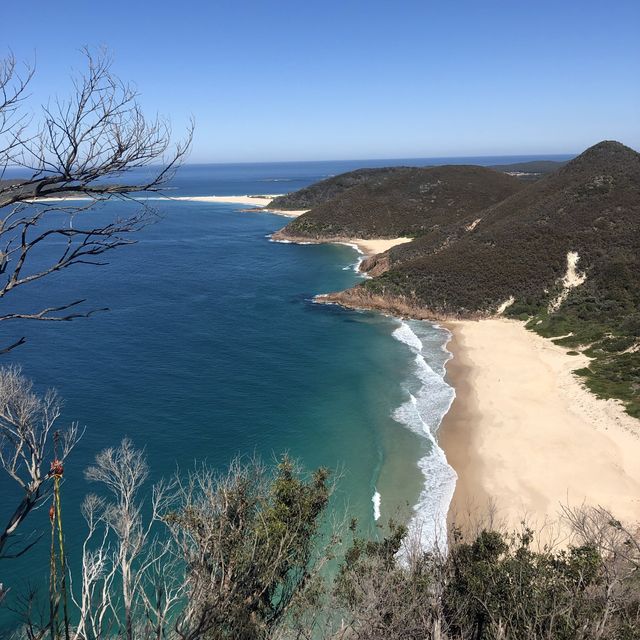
<point x="213" y="347"/>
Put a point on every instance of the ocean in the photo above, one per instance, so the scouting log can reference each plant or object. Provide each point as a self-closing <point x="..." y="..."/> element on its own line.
<point x="213" y="347"/>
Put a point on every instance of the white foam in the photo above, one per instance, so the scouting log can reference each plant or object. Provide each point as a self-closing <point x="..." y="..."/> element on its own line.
<point x="376" y="499"/>
<point x="352" y="245"/>
<point x="423" y="413"/>
<point x="279" y="241"/>
<point x="404" y="334"/>
<point x="356" y="265"/>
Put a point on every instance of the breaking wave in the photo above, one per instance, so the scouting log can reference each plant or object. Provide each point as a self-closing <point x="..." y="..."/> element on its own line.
<point x="429" y="398"/>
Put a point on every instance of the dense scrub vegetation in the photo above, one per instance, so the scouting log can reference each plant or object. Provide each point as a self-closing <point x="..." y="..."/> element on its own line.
<point x="530" y="171"/>
<point x="239" y="556"/>
<point x="329" y="188"/>
<point x="411" y="202"/>
<point x="518" y="251"/>
<point x="496" y="586"/>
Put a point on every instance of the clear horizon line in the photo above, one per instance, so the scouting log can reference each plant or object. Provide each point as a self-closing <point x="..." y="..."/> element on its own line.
<point x="540" y="156"/>
<point x="377" y="159"/>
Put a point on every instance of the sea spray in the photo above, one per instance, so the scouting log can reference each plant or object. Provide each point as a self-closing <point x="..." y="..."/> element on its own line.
<point x="355" y="265"/>
<point x="270" y="237"/>
<point x="429" y="399"/>
<point x="376" y="499"/>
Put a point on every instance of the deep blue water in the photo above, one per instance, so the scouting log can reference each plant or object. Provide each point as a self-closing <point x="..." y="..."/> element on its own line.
<point x="213" y="347"/>
<point x="282" y="177"/>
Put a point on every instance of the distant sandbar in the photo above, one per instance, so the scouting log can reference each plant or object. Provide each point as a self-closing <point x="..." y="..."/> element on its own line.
<point x="261" y="202"/>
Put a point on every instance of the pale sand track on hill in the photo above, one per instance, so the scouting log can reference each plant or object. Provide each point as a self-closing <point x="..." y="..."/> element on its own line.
<point x="526" y="435"/>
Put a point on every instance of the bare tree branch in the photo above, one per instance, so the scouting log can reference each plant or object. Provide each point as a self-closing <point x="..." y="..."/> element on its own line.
<point x="82" y="153"/>
<point x="27" y="423"/>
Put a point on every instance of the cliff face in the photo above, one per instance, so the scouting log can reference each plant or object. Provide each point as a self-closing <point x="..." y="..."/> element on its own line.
<point x="376" y="265"/>
<point x="397" y="305"/>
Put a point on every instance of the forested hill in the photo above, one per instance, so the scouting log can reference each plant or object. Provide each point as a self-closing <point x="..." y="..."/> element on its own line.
<point x="329" y="188"/>
<point x="404" y="202"/>
<point x="563" y="252"/>
<point x="532" y="170"/>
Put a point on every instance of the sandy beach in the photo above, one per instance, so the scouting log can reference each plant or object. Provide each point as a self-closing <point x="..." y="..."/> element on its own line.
<point x="372" y="247"/>
<point x="249" y="201"/>
<point x="527" y="438"/>
<point x="245" y="200"/>
<point x="366" y="246"/>
<point x="257" y="201"/>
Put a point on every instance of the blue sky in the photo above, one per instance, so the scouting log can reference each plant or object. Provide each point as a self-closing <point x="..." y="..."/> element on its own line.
<point x="345" y="79"/>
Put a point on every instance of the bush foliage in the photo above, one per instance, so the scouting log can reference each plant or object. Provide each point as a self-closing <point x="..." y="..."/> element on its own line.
<point x="519" y="249"/>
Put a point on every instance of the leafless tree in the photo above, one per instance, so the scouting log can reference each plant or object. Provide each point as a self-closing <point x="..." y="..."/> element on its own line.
<point x="27" y="425"/>
<point x="238" y="554"/>
<point x="131" y="580"/>
<point x="148" y="586"/>
<point x="598" y="527"/>
<point x="82" y="147"/>
<point x="619" y="546"/>
<point x="213" y="556"/>
<point x="98" y="573"/>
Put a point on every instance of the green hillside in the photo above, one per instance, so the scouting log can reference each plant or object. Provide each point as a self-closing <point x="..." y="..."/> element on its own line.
<point x="407" y="202"/>
<point x="329" y="188"/>
<point x="518" y="251"/>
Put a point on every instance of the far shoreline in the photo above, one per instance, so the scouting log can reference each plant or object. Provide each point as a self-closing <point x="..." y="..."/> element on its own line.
<point x="256" y="202"/>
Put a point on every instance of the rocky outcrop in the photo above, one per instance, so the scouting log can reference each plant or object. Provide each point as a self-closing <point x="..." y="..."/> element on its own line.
<point x="397" y="305"/>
